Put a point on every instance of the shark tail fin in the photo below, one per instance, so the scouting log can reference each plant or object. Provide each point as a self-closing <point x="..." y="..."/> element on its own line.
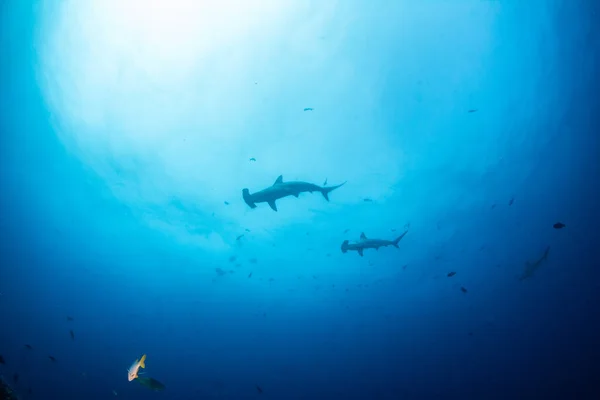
<point x="398" y="239"/>
<point x="345" y="246"/>
<point x="248" y="198"/>
<point x="326" y="190"/>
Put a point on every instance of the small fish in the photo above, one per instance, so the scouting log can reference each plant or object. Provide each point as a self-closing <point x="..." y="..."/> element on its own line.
<point x="72" y="334"/>
<point x="27" y="346"/>
<point x="220" y="272"/>
<point x="132" y="372"/>
<point x="512" y="200"/>
<point x="252" y="159"/>
<point x="325" y="183"/>
<point x="250" y="275"/>
<point x="558" y="225"/>
<point x="472" y="110"/>
<point x="259" y="389"/>
<point x="16" y="378"/>
<point x="2" y="360"/>
<point x="367" y="200"/>
<point x="451" y="274"/>
<point x="52" y="358"/>
<point x="462" y="289"/>
<point x="239" y="237"/>
<point x="247" y="230"/>
<point x="308" y="109"/>
<point x="226" y="203"/>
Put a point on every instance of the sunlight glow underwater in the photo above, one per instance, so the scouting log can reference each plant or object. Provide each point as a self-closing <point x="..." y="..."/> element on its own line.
<point x="163" y="100"/>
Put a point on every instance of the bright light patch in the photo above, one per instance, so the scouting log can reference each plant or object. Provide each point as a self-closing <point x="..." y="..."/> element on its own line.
<point x="168" y="101"/>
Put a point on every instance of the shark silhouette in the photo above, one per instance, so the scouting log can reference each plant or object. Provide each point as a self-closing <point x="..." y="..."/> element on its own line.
<point x="366" y="243"/>
<point x="281" y="189"/>
<point x="530" y="268"/>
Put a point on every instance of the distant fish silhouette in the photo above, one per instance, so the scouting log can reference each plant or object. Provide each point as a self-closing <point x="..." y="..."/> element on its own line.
<point x="72" y="334"/>
<point x="150" y="383"/>
<point x="27" y="346"/>
<point x="250" y="275"/>
<point x="512" y="200"/>
<point x="308" y="109"/>
<point x="2" y="360"/>
<point x="531" y="267"/>
<point x="52" y="358"/>
<point x="451" y="274"/>
<point x="472" y="110"/>
<point x="70" y="318"/>
<point x="226" y="203"/>
<point x="239" y="237"/>
<point x="252" y="159"/>
<point x="462" y="289"/>
<point x="558" y="225"/>
<point x="259" y="389"/>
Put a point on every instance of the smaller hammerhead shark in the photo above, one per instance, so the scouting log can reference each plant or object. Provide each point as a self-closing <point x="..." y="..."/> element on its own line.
<point x="281" y="189"/>
<point x="530" y="268"/>
<point x="366" y="243"/>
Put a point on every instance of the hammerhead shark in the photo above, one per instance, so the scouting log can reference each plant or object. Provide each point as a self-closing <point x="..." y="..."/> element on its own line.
<point x="530" y="268"/>
<point x="281" y="189"/>
<point x="366" y="243"/>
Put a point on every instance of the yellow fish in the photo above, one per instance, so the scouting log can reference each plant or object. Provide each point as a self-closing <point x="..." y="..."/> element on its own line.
<point x="132" y="372"/>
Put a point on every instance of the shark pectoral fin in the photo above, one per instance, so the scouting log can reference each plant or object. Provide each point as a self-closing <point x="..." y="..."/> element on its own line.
<point x="279" y="180"/>
<point x="273" y="205"/>
<point x="360" y="252"/>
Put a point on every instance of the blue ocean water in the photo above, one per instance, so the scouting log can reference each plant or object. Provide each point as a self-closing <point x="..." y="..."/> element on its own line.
<point x="129" y="129"/>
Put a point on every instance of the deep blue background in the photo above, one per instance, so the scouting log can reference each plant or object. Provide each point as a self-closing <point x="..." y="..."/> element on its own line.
<point x="68" y="247"/>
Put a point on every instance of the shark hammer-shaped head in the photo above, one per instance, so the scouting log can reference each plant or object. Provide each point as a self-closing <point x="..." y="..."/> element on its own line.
<point x="248" y="198"/>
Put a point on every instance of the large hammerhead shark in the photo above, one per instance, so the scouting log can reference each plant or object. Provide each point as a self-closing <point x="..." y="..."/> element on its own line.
<point x="281" y="189"/>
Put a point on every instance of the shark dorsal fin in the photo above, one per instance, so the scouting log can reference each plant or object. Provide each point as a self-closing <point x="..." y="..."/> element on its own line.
<point x="363" y="236"/>
<point x="279" y="180"/>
